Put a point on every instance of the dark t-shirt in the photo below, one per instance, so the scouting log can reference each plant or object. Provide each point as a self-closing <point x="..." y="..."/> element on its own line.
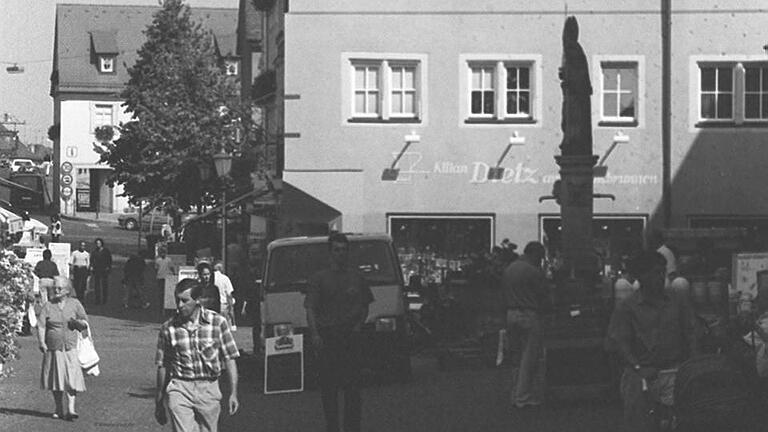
<point x="46" y="269"/>
<point x="337" y="297"/>
<point x="523" y="286"/>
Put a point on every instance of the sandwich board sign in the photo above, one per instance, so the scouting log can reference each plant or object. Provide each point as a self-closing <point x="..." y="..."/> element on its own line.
<point x="284" y="364"/>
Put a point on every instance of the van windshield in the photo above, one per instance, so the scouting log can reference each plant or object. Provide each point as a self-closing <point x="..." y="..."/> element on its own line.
<point x="291" y="266"/>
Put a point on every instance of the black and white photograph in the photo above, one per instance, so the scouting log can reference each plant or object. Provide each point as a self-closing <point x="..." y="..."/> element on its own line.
<point x="383" y="216"/>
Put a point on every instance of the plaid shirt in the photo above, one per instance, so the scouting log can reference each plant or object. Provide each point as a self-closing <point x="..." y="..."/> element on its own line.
<point x="196" y="351"/>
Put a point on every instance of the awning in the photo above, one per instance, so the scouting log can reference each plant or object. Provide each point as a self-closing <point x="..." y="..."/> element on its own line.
<point x="7" y="183"/>
<point x="104" y="42"/>
<point x="299" y="206"/>
<point x="295" y="205"/>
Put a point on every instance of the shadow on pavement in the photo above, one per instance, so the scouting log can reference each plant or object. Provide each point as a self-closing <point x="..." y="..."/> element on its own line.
<point x="25" y="412"/>
<point x="145" y="393"/>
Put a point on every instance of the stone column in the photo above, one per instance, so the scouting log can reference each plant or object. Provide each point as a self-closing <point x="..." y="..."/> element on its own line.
<point x="576" y="211"/>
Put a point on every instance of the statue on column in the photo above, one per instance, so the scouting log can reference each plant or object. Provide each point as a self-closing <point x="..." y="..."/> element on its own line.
<point x="577" y="90"/>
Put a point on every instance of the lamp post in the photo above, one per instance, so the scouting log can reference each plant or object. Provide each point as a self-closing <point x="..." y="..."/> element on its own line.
<point x="223" y="163"/>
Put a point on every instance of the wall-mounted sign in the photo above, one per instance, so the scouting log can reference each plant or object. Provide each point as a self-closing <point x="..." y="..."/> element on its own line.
<point x="71" y="151"/>
<point x="66" y="193"/>
<point x="66" y="167"/>
<point x="66" y="179"/>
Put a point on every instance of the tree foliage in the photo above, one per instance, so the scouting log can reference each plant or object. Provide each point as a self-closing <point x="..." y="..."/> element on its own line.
<point x="184" y="109"/>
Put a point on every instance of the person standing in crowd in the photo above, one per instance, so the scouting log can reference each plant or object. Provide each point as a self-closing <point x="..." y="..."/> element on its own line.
<point x="59" y="319"/>
<point x="253" y="294"/>
<point x="164" y="267"/>
<point x="653" y="331"/>
<point x="46" y="268"/>
<point x="525" y="295"/>
<point x="133" y="280"/>
<point x="210" y="298"/>
<point x="56" y="229"/>
<point x="80" y="262"/>
<point x="337" y="303"/>
<point x="224" y="284"/>
<point x="101" y="265"/>
<point x="187" y="372"/>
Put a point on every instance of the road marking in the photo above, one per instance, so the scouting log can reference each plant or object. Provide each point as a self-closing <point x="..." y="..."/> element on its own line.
<point x="93" y="225"/>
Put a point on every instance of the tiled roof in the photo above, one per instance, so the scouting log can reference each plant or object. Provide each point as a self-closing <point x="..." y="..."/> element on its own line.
<point x="75" y="68"/>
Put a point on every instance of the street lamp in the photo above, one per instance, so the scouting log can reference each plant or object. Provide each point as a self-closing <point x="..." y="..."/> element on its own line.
<point x="601" y="170"/>
<point x="497" y="172"/>
<point x="391" y="173"/>
<point x="223" y="163"/>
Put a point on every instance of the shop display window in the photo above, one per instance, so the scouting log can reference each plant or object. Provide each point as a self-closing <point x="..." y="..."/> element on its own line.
<point x="434" y="246"/>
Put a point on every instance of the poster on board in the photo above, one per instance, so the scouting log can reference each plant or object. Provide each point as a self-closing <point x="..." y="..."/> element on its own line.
<point x="60" y="255"/>
<point x="745" y="268"/>
<point x="284" y="364"/>
<point x="33" y="256"/>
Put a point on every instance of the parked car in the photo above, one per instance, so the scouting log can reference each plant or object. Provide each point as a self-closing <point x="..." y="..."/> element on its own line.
<point x="151" y="220"/>
<point x="22" y="165"/>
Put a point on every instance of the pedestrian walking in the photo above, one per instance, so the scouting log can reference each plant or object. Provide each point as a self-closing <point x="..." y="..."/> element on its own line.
<point x="525" y="296"/>
<point x="133" y="280"/>
<point x="226" y="290"/>
<point x="80" y="262"/>
<point x="164" y="267"/>
<point x="654" y="331"/>
<point x="46" y="270"/>
<point x="210" y="298"/>
<point x="101" y="265"/>
<point x="56" y="228"/>
<point x="57" y="325"/>
<point x="191" y="348"/>
<point x="337" y="303"/>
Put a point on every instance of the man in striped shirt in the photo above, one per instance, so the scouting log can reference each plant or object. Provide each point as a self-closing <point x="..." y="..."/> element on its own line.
<point x="193" y="349"/>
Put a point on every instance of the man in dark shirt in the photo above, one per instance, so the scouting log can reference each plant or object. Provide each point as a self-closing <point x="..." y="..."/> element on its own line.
<point x="337" y="305"/>
<point x="46" y="268"/>
<point x="101" y="264"/>
<point x="525" y="293"/>
<point x="653" y="331"/>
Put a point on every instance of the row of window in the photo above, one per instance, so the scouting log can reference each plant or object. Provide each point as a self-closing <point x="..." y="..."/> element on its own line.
<point x="393" y="90"/>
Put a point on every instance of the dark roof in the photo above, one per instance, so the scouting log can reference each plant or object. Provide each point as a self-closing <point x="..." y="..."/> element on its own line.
<point x="81" y="28"/>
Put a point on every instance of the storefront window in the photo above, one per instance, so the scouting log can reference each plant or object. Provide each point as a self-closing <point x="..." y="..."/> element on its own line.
<point x="614" y="238"/>
<point x="433" y="245"/>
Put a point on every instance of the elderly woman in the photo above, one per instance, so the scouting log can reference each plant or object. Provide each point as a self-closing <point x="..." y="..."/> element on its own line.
<point x="59" y="320"/>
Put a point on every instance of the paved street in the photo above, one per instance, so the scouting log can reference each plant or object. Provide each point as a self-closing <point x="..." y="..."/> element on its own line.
<point x="463" y="399"/>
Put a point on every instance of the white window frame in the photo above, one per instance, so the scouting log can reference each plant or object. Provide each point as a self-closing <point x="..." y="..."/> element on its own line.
<point x="95" y="114"/>
<point x="617" y="92"/>
<point x="738" y="64"/>
<point x="762" y="93"/>
<point x="402" y="90"/>
<point x="518" y="89"/>
<point x="500" y="64"/>
<point x="367" y="88"/>
<point x="601" y="121"/>
<point x="484" y="87"/>
<point x="107" y="63"/>
<point x="232" y="67"/>
<point x="717" y="91"/>
<point x="385" y="62"/>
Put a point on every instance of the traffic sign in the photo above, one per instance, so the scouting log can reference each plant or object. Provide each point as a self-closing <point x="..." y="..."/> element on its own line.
<point x="66" y="193"/>
<point x="66" y="179"/>
<point x="66" y="167"/>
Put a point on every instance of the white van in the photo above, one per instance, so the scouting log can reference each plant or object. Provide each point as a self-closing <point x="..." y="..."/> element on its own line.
<point x="22" y="165"/>
<point x="291" y="261"/>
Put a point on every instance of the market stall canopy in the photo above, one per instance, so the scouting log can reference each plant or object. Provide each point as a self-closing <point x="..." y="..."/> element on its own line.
<point x="13" y="185"/>
<point x="12" y="221"/>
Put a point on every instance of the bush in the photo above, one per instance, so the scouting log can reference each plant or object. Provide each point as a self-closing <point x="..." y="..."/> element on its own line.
<point x="15" y="283"/>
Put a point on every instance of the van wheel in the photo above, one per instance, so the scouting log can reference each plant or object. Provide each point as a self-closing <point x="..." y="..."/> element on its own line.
<point x="131" y="225"/>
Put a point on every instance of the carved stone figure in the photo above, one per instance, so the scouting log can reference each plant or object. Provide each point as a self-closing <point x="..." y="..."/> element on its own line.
<point x="577" y="89"/>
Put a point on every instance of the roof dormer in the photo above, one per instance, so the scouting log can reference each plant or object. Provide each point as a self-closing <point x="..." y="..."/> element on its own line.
<point x="104" y="50"/>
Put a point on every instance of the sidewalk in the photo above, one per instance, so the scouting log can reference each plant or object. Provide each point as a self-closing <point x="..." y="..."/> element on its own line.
<point x="92" y="216"/>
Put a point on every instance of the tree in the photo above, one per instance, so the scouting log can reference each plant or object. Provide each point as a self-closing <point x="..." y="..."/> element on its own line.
<point x="184" y="109"/>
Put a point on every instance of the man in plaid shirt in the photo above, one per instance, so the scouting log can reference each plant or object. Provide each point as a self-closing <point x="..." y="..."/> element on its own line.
<point x="193" y="349"/>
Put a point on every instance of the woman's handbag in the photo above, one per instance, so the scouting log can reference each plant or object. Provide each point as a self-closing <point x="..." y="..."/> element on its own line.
<point x="86" y="353"/>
